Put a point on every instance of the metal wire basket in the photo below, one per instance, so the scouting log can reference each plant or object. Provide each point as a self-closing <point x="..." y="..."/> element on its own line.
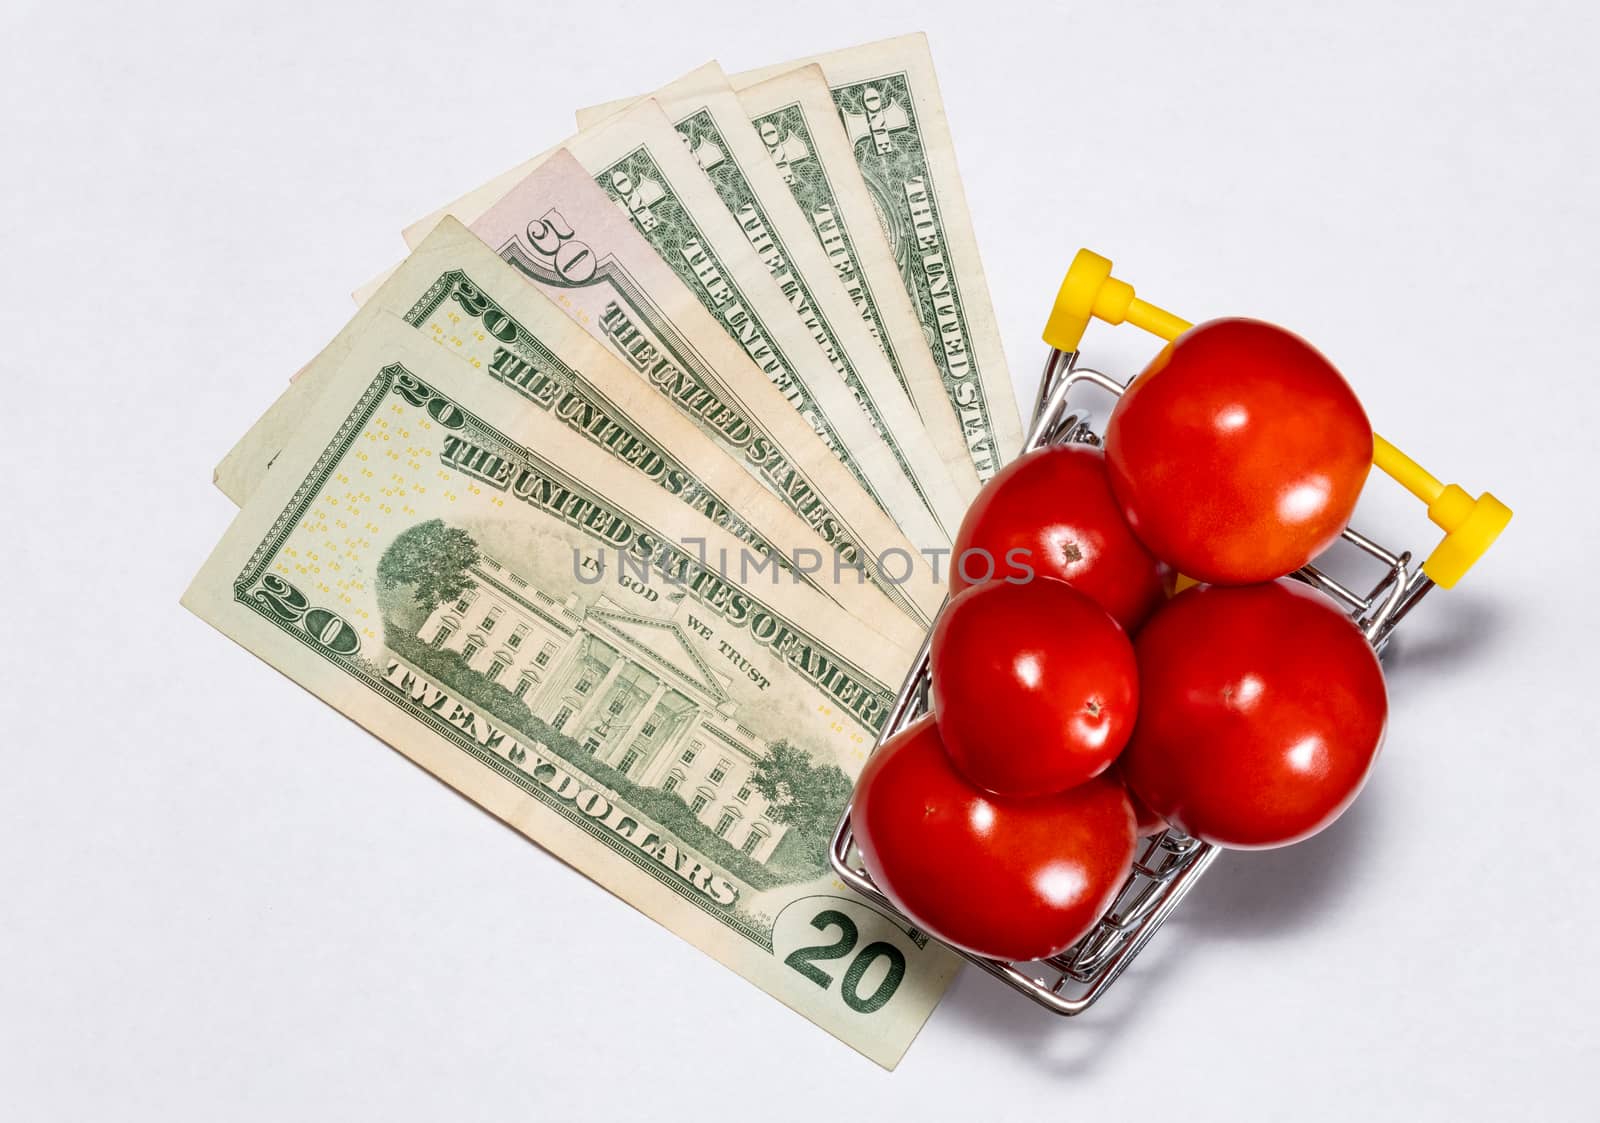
<point x="1168" y="864"/>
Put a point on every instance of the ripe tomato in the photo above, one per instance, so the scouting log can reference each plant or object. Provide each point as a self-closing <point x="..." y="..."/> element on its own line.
<point x="1055" y="503"/>
<point x="1035" y="688"/>
<point x="1263" y="710"/>
<point x="1239" y="453"/>
<point x="1013" y="879"/>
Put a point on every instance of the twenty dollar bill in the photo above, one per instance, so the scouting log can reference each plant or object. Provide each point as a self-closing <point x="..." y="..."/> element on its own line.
<point x="504" y="604"/>
<point x="456" y="292"/>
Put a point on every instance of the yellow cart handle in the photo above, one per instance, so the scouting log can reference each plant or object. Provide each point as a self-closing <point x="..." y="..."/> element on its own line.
<point x="1090" y="292"/>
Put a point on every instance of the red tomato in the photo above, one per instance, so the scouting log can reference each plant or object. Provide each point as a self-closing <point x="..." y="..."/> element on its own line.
<point x="1012" y="879"/>
<point x="1055" y="503"/>
<point x="1035" y="688"/>
<point x="1263" y="710"/>
<point x="1239" y="453"/>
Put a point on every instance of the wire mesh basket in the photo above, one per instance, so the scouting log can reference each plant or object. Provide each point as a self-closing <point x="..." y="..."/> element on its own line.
<point x="1168" y="864"/>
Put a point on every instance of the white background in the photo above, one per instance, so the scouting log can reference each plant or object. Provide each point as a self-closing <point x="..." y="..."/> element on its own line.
<point x="221" y="900"/>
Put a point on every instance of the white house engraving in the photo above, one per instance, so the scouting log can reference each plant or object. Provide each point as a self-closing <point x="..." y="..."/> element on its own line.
<point x="630" y="690"/>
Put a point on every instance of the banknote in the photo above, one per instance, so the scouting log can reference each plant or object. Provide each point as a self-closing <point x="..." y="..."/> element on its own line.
<point x="572" y="240"/>
<point x="798" y="124"/>
<point x="641" y="162"/>
<point x="455" y="291"/>
<point x="753" y="307"/>
<point x="720" y="136"/>
<point x="363" y="292"/>
<point x="499" y="600"/>
<point x="795" y="119"/>
<point x="888" y="99"/>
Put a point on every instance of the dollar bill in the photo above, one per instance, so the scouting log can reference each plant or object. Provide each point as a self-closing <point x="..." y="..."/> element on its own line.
<point x="799" y="125"/>
<point x="753" y="307"/>
<point x="572" y="240"/>
<point x="364" y="292"/>
<point x="500" y="601"/>
<point x="455" y="291"/>
<point x="795" y="119"/>
<point x="720" y="136"/>
<point x="888" y="99"/>
<point x="639" y="160"/>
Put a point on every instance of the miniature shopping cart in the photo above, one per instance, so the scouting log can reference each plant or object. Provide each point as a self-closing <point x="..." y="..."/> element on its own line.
<point x="1168" y="864"/>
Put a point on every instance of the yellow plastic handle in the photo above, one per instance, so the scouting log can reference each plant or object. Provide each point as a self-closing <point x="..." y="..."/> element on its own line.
<point x="1090" y="292"/>
<point x="1470" y="525"/>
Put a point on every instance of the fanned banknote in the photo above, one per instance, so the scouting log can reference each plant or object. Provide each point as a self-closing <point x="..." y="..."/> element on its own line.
<point x="457" y="292"/>
<point x="795" y="119"/>
<point x="629" y="297"/>
<point x="505" y="604"/>
<point x="641" y="162"/>
<point x="624" y="511"/>
<point x="775" y="317"/>
<point x="888" y="98"/>
<point x="719" y="134"/>
<point x="570" y="238"/>
<point x="799" y="124"/>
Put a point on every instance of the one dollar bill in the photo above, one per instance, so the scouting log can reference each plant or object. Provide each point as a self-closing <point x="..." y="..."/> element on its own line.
<point x="887" y="97"/>
<point x="794" y="116"/>
<point x="722" y="139"/>
<point x="503" y="603"/>
<point x="643" y="165"/>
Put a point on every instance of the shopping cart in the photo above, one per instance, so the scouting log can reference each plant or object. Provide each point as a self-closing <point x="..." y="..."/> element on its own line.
<point x="1170" y="863"/>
